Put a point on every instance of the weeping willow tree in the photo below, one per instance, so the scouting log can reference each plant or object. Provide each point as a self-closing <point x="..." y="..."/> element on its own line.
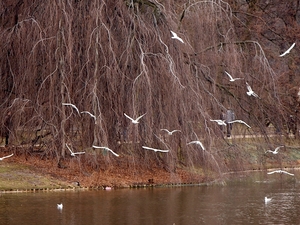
<point x="108" y="58"/>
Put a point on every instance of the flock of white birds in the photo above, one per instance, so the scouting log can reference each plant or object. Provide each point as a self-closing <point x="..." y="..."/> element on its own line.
<point x="250" y="92"/>
<point x="275" y="152"/>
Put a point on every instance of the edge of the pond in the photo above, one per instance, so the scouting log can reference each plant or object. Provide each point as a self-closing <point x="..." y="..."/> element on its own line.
<point x="219" y="181"/>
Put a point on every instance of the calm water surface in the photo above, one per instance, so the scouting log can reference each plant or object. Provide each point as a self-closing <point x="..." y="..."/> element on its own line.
<point x="241" y="201"/>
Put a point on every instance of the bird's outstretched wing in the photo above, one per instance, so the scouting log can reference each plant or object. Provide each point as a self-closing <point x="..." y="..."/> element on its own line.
<point x="198" y="143"/>
<point x="107" y="149"/>
<point x="78" y="153"/>
<point x="174" y="34"/>
<point x="137" y="119"/>
<point x="220" y="122"/>
<point x="154" y="149"/>
<point x="169" y="132"/>
<point x="240" y="121"/>
<point x="276" y="149"/>
<point x="4" y="157"/>
<point x="89" y="114"/>
<point x="69" y="149"/>
<point x="288" y="51"/>
<point x="269" y="151"/>
<point x="72" y="105"/>
<point x="249" y="87"/>
<point x="255" y="95"/>
<point x="230" y="77"/>
<point x="291" y="174"/>
<point x="128" y="117"/>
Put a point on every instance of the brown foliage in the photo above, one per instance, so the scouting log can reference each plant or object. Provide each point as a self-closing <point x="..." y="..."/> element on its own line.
<point x="111" y="58"/>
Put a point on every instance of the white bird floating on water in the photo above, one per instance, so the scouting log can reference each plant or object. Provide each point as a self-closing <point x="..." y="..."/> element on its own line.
<point x="4" y="157"/>
<point x="74" y="106"/>
<point x="170" y="132"/>
<point x="281" y="172"/>
<point x="231" y="78"/>
<point x="87" y="112"/>
<point x="276" y="150"/>
<point x="287" y="51"/>
<point x="175" y="36"/>
<point x="198" y="143"/>
<point x="154" y="149"/>
<point x="107" y="149"/>
<point x="239" y="121"/>
<point x="74" y="153"/>
<point x="220" y="122"/>
<point x="250" y="91"/>
<point x="60" y="206"/>
<point x="135" y="121"/>
<point x="267" y="200"/>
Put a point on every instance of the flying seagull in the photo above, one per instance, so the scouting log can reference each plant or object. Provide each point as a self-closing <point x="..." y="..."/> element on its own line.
<point x="267" y="200"/>
<point x="281" y="172"/>
<point x="170" y="132"/>
<point x="287" y="51"/>
<point x="107" y="149"/>
<point x="154" y="149"/>
<point x="220" y="122"/>
<point x="74" y="153"/>
<point x="198" y="143"/>
<point x="275" y="151"/>
<point x="4" y="157"/>
<point x="239" y="121"/>
<point x="74" y="106"/>
<point x="250" y="91"/>
<point x="231" y="78"/>
<point x="175" y="36"/>
<point x="135" y="121"/>
<point x="60" y="206"/>
<point x="87" y="112"/>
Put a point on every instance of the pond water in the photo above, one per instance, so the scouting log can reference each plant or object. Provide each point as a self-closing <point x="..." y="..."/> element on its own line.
<point x="241" y="201"/>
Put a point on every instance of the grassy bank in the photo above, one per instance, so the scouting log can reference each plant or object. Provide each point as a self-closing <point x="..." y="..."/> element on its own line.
<point x="240" y="154"/>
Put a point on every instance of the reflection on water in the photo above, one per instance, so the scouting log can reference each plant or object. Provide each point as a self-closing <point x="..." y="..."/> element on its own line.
<point x="239" y="202"/>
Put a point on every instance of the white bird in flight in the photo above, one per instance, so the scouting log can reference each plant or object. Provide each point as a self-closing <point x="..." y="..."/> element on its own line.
<point x="250" y="91"/>
<point x="74" y="106"/>
<point x="239" y="121"/>
<point x="60" y="206"/>
<point x="287" y="51"/>
<point x="275" y="151"/>
<point x="281" y="172"/>
<point x="198" y="143"/>
<point x="220" y="122"/>
<point x="107" y="149"/>
<point x="4" y="157"/>
<point x="74" y="153"/>
<point x="231" y="78"/>
<point x="154" y="149"/>
<point x="87" y="112"/>
<point x="175" y="36"/>
<point x="267" y="200"/>
<point x="135" y="121"/>
<point x="170" y="132"/>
